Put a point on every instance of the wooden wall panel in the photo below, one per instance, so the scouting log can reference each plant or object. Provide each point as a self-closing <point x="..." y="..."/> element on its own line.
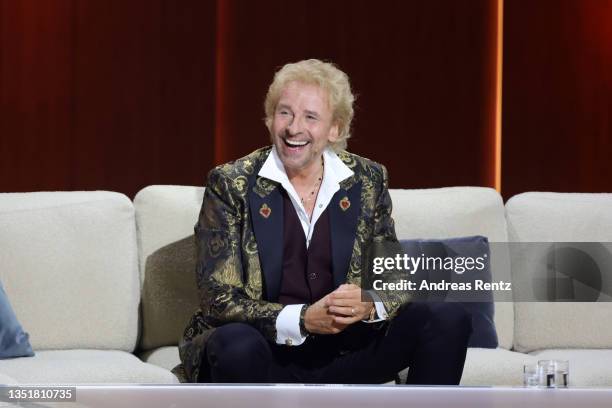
<point x="422" y="70"/>
<point x="117" y="93"/>
<point x="188" y="92"/>
<point x="113" y="94"/>
<point x="557" y="99"/>
<point x="105" y="94"/>
<point x="35" y="94"/>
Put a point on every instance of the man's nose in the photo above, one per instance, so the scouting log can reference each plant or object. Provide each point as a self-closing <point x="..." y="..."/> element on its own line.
<point x="295" y="126"/>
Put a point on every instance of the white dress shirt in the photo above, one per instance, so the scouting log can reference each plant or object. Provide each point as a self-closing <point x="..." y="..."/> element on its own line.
<point x="335" y="171"/>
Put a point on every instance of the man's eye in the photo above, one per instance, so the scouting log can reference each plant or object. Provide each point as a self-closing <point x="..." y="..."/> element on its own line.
<point x="311" y="117"/>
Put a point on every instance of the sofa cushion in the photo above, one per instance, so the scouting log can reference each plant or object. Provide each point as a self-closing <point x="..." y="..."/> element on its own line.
<point x="587" y="368"/>
<point x="84" y="367"/>
<point x="494" y="367"/>
<point x="6" y="380"/>
<point x="440" y="213"/>
<point x="482" y="312"/>
<point x="68" y="261"/>
<point x="165" y="217"/>
<point x="166" y="357"/>
<point x="13" y="340"/>
<point x="449" y="212"/>
<point x="560" y="217"/>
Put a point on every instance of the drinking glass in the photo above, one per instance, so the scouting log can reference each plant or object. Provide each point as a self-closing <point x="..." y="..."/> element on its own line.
<point x="531" y="375"/>
<point x="553" y="373"/>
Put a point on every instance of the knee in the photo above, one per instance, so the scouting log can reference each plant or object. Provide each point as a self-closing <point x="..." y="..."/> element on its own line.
<point x="451" y="319"/>
<point x="233" y="344"/>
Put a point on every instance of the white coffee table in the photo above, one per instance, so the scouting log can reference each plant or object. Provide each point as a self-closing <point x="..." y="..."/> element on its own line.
<point x="332" y="396"/>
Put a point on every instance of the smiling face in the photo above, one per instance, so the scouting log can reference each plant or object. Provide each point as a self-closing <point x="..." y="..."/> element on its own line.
<point x="302" y="127"/>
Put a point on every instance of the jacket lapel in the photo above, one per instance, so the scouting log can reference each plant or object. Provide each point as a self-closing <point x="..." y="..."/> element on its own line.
<point x="266" y="206"/>
<point x="344" y="211"/>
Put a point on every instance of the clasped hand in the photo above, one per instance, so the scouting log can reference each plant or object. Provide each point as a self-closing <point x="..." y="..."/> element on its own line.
<point x="336" y="311"/>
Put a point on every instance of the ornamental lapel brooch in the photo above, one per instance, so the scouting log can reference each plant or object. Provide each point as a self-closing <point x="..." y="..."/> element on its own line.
<point x="345" y="203"/>
<point x="265" y="211"/>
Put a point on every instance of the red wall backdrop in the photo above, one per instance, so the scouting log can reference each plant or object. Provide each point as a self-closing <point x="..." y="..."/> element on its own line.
<point x="120" y="94"/>
<point x="105" y="94"/>
<point x="557" y="98"/>
<point x="423" y="70"/>
<point x="116" y="94"/>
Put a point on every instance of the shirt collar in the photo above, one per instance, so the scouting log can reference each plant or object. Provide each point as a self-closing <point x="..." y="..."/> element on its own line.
<point x="274" y="170"/>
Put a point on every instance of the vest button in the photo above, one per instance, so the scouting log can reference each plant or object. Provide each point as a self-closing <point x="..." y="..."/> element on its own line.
<point x="288" y="342"/>
<point x="312" y="276"/>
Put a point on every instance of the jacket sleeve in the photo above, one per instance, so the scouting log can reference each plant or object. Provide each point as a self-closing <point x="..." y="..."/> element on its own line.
<point x="224" y="296"/>
<point x="384" y="230"/>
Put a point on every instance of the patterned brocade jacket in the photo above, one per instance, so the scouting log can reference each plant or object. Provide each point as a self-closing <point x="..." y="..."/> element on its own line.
<point x="239" y="241"/>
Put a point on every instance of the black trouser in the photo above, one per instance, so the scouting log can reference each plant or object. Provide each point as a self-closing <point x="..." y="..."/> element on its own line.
<point x="430" y="338"/>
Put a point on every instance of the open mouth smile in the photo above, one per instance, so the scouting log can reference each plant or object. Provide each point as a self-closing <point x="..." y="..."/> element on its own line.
<point x="295" y="143"/>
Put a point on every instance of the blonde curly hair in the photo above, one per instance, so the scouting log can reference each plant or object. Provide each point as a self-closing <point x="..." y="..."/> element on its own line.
<point x="327" y="76"/>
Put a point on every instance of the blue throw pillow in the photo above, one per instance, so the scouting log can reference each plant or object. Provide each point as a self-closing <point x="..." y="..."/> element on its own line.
<point x="483" y="327"/>
<point x="14" y="342"/>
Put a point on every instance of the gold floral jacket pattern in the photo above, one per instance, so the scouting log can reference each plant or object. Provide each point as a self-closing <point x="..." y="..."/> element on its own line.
<point x="239" y="246"/>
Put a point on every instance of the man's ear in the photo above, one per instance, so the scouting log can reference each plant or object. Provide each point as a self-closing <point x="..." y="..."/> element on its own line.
<point x="334" y="134"/>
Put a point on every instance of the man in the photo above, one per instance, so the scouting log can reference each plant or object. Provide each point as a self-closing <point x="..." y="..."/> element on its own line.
<point x="280" y="241"/>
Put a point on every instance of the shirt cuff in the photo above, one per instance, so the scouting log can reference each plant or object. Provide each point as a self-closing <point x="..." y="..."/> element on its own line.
<point x="288" y="326"/>
<point x="381" y="312"/>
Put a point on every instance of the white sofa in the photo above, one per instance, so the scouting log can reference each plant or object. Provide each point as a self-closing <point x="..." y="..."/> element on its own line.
<point x="105" y="286"/>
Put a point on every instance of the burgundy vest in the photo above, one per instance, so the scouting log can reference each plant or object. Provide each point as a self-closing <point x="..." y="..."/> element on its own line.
<point x="307" y="272"/>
